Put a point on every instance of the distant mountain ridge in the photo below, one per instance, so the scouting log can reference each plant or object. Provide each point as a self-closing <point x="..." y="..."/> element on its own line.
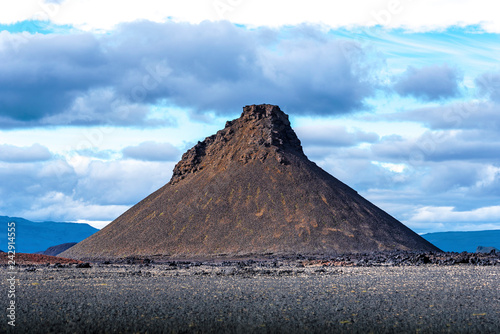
<point x="34" y="237"/>
<point x="466" y="241"/>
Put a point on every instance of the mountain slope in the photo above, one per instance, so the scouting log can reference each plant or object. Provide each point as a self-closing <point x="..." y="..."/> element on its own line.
<point x="250" y="189"/>
<point x="33" y="237"/>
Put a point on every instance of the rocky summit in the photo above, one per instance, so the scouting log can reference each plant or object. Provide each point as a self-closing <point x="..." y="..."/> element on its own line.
<point x="249" y="190"/>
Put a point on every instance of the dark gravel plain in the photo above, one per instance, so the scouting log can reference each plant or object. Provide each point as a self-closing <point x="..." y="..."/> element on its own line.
<point x="285" y="295"/>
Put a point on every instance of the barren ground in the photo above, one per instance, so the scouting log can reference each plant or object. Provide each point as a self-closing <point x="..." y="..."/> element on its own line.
<point x="259" y="297"/>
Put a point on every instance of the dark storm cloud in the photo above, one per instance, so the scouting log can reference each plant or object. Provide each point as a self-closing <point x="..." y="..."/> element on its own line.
<point x="219" y="67"/>
<point x="43" y="75"/>
<point x="84" y="79"/>
<point x="35" y="152"/>
<point x="152" y="151"/>
<point x="429" y="83"/>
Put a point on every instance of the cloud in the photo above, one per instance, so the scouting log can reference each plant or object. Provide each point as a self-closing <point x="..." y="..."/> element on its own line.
<point x="152" y="151"/>
<point x="429" y="82"/>
<point x="471" y="169"/>
<point x="35" y="152"/>
<point x="80" y="188"/>
<point x="103" y="106"/>
<point x="450" y="176"/>
<point x="457" y="115"/>
<point x="439" y="146"/>
<point x="99" y="224"/>
<point x="119" y="182"/>
<point x="333" y="136"/>
<point x="449" y="214"/>
<point x="459" y="131"/>
<point x="489" y="85"/>
<point x="489" y="183"/>
<point x="420" y="16"/>
<point x="429" y="227"/>
<point x="114" y="79"/>
<point x="241" y="66"/>
<point x="24" y="183"/>
<point x="61" y="207"/>
<point x="43" y="75"/>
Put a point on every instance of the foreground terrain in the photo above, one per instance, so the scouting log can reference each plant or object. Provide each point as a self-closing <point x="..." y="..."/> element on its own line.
<point x="309" y="296"/>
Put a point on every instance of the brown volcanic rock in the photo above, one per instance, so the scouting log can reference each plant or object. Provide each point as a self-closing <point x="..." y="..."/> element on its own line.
<point x="249" y="189"/>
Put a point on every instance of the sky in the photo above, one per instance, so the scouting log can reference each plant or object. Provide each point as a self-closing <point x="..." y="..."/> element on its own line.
<point x="399" y="99"/>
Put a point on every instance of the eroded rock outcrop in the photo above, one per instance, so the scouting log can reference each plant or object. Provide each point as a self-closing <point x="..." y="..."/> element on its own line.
<point x="263" y="131"/>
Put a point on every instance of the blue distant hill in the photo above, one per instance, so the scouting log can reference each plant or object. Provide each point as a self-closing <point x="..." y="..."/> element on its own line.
<point x="33" y="237"/>
<point x="464" y="241"/>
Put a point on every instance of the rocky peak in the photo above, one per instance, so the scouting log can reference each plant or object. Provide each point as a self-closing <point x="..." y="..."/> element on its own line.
<point x="271" y="125"/>
<point x="262" y="131"/>
<point x="260" y="111"/>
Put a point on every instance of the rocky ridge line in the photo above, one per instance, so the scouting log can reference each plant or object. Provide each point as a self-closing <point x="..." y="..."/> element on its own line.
<point x="261" y="132"/>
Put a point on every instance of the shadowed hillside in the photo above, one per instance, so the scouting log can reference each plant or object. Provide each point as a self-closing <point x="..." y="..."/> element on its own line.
<point x="57" y="249"/>
<point x="250" y="189"/>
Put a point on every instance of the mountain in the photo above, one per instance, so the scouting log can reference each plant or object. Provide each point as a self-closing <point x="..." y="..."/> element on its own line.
<point x="464" y="241"/>
<point x="250" y="189"/>
<point x="32" y="237"/>
<point x="57" y="249"/>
